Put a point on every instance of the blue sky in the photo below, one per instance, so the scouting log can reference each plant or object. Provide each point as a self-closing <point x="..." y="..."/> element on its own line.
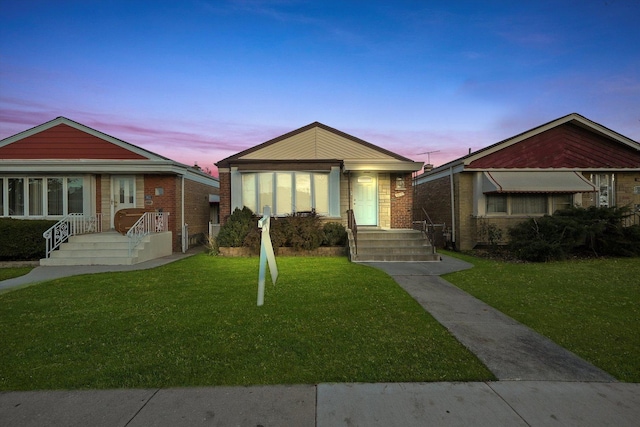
<point x="199" y="80"/>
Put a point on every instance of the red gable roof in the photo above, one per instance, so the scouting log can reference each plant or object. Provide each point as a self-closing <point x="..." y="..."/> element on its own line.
<point x="564" y="146"/>
<point x="62" y="141"/>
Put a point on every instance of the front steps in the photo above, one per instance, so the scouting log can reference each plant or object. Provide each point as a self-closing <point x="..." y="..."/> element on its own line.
<point x="109" y="248"/>
<point x="391" y="245"/>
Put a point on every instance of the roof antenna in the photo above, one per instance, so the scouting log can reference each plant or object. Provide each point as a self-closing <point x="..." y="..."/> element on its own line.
<point x="428" y="166"/>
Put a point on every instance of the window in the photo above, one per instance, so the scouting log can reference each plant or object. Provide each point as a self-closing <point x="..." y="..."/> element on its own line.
<point x="265" y="191"/>
<point x="249" y="191"/>
<point x="74" y="192"/>
<point x="286" y="192"/>
<point x="561" y="201"/>
<point x="35" y="197"/>
<point x="321" y="186"/>
<point x="605" y="184"/>
<point x="284" y="195"/>
<point x="528" y="204"/>
<point x="41" y="196"/>
<point x="496" y="203"/>
<point x="303" y="192"/>
<point x="16" y="196"/>
<point x="54" y="196"/>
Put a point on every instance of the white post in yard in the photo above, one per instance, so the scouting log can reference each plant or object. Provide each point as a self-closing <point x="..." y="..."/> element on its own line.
<point x="266" y="254"/>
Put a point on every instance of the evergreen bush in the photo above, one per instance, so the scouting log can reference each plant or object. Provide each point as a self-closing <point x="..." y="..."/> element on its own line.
<point x="569" y="232"/>
<point x="334" y="234"/>
<point x="21" y="239"/>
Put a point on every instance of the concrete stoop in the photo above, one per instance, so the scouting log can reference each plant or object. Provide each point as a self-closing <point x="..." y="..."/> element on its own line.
<point x="391" y="245"/>
<point x="109" y="248"/>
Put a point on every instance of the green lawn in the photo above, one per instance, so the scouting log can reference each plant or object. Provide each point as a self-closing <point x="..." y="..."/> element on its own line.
<point x="195" y="322"/>
<point x="591" y="307"/>
<point x="11" y="272"/>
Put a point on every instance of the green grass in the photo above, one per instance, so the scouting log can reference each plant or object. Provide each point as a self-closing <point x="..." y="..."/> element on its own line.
<point x="11" y="272"/>
<point x="591" y="307"/>
<point x="195" y="323"/>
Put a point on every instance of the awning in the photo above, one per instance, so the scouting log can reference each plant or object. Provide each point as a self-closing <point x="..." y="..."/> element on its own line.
<point x="536" y="182"/>
<point x="214" y="198"/>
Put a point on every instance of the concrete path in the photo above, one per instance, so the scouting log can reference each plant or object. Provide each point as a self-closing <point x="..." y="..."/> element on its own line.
<point x="509" y="349"/>
<point x="44" y="273"/>
<point x="504" y="403"/>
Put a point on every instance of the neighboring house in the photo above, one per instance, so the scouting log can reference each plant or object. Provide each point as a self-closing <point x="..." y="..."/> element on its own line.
<point x="322" y="169"/>
<point x="62" y="167"/>
<point x="570" y="161"/>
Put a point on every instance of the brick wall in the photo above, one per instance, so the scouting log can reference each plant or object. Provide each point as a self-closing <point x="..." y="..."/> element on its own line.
<point x="465" y="226"/>
<point x="435" y="198"/>
<point x="225" y="196"/>
<point x="625" y="183"/>
<point x="105" y="202"/>
<point x="196" y="206"/>
<point x="384" y="200"/>
<point x="169" y="201"/>
<point x="401" y="201"/>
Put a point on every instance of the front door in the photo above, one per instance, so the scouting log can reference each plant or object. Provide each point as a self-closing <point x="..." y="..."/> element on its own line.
<point x="365" y="199"/>
<point x="123" y="193"/>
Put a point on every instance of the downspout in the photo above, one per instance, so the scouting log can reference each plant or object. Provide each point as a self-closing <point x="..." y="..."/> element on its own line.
<point x="182" y="217"/>
<point x="453" y="209"/>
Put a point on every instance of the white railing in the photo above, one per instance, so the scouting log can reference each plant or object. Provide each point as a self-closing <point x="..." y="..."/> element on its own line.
<point x="149" y="222"/>
<point x="70" y="225"/>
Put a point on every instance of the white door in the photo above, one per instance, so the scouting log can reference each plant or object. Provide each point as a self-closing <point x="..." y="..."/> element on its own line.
<point x="365" y="199"/>
<point x="124" y="192"/>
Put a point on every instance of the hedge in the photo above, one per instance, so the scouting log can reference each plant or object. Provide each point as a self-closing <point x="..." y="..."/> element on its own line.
<point x="21" y="239"/>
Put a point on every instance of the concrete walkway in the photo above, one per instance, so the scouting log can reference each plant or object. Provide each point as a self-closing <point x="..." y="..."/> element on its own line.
<point x="44" y="273"/>
<point x="555" y="387"/>
<point x="509" y="349"/>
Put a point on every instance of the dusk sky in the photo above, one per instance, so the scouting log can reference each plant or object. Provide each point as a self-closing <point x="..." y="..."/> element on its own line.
<point x="199" y="80"/>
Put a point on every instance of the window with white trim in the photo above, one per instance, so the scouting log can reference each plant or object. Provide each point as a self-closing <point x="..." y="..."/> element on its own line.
<point x="286" y="192"/>
<point x="527" y="204"/>
<point x="41" y="196"/>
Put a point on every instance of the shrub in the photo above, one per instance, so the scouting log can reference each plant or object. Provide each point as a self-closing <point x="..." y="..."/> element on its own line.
<point x="334" y="234"/>
<point x="303" y="232"/>
<point x="22" y="239"/>
<point x="298" y="231"/>
<point x="568" y="232"/>
<point x="235" y="230"/>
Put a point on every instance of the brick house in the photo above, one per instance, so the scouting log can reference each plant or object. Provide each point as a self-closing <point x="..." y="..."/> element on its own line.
<point x="62" y="167"/>
<point x="568" y="161"/>
<point x="323" y="169"/>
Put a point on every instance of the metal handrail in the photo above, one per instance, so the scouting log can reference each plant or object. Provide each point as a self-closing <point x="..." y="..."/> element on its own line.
<point x="149" y="222"/>
<point x="632" y="219"/>
<point x="353" y="226"/>
<point x="429" y="229"/>
<point x="71" y="225"/>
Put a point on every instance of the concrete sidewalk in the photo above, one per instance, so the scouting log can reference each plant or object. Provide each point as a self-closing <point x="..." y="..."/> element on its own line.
<point x="504" y="403"/>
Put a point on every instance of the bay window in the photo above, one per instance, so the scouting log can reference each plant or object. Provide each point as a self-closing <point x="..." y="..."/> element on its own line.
<point x="286" y="192"/>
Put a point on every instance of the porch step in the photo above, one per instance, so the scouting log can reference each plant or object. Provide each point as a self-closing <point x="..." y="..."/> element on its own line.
<point x="392" y="245"/>
<point x="109" y="248"/>
<point x="89" y="260"/>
